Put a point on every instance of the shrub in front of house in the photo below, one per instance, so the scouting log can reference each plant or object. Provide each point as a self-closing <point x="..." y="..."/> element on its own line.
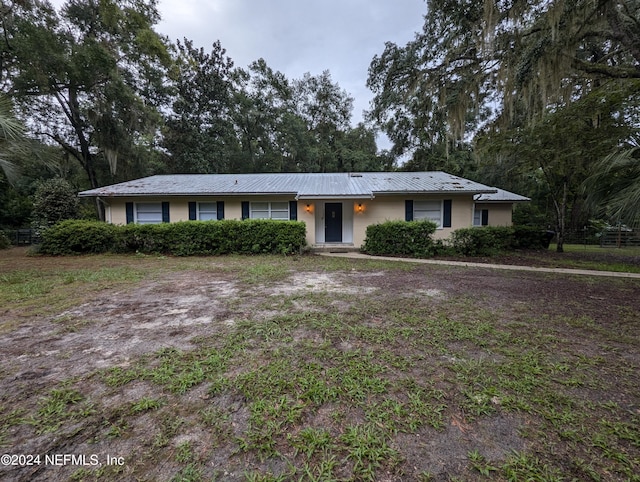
<point x="185" y="238"/>
<point x="492" y="240"/>
<point x="78" y="237"/>
<point x="482" y="241"/>
<point x="400" y="238"/>
<point x="189" y="238"/>
<point x="530" y="237"/>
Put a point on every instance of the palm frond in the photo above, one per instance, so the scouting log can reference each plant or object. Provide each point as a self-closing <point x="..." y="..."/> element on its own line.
<point x="10" y="127"/>
<point x="614" y="188"/>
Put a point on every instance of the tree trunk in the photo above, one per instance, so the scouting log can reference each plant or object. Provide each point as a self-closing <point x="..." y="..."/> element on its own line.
<point x="561" y="208"/>
<point x="99" y="209"/>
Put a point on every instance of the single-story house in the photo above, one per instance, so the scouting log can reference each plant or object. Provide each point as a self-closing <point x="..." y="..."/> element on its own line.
<point x="336" y="207"/>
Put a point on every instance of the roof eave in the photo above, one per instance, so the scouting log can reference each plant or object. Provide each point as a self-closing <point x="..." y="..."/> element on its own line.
<point x="184" y="194"/>
<point x="502" y="201"/>
<point x="457" y="191"/>
<point x="317" y="197"/>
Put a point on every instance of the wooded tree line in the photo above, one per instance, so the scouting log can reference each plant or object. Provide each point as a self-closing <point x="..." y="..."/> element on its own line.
<point x="545" y="92"/>
<point x="539" y="97"/>
<point x="109" y="99"/>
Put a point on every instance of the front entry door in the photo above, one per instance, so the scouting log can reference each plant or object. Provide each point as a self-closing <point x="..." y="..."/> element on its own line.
<point x="333" y="222"/>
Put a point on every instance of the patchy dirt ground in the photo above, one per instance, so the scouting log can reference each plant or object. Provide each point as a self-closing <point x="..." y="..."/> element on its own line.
<point x="182" y="306"/>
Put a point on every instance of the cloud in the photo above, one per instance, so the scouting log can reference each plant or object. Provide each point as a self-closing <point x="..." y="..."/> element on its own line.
<point x="296" y="37"/>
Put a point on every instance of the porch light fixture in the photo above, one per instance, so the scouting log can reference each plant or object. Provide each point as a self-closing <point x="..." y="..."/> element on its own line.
<point x="360" y="207"/>
<point x="308" y="208"/>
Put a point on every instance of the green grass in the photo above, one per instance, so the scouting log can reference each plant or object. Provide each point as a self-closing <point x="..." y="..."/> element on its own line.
<point x="588" y="248"/>
<point x="336" y="390"/>
<point x="623" y="260"/>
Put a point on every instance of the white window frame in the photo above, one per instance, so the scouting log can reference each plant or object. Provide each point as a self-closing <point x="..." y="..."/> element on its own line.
<point x="421" y="210"/>
<point x="269" y="211"/>
<point x="146" y="212"/>
<point x="477" y="216"/>
<point x="211" y="215"/>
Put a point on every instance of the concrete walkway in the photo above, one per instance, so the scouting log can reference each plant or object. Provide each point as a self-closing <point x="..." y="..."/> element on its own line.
<point x="578" y="272"/>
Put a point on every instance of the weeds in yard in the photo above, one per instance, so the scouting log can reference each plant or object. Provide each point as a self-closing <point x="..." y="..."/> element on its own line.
<point x="60" y="405"/>
<point x="145" y="404"/>
<point x="191" y="473"/>
<point x="521" y="466"/>
<point x="481" y="464"/>
<point x="367" y="447"/>
<point x="324" y="385"/>
<point x="267" y="272"/>
<point x="8" y="419"/>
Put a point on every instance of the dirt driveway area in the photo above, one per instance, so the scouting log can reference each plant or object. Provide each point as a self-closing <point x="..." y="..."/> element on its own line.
<point x="311" y="368"/>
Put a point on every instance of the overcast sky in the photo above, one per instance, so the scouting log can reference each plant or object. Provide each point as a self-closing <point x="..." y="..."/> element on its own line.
<point x="298" y="36"/>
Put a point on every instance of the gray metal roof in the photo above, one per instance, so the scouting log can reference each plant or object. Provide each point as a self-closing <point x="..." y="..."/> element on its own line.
<point x="421" y="182"/>
<point x="300" y="185"/>
<point x="501" y="196"/>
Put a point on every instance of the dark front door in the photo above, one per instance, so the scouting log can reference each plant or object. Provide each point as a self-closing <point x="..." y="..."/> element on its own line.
<point x="333" y="222"/>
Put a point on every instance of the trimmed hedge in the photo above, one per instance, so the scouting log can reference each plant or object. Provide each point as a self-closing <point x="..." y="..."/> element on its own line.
<point x="409" y="238"/>
<point x="531" y="237"/>
<point x="414" y="238"/>
<point x="492" y="240"/>
<point x="482" y="241"/>
<point x="76" y="236"/>
<point x="185" y="238"/>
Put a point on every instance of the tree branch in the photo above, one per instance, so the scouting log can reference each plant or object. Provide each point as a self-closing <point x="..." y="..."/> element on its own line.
<point x="607" y="71"/>
<point x="65" y="145"/>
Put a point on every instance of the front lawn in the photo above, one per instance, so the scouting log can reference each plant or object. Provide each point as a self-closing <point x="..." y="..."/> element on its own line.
<point x="575" y="256"/>
<point x="311" y="368"/>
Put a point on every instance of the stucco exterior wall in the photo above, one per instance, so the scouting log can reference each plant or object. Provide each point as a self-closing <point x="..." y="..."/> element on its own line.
<point x="358" y="213"/>
<point x="392" y="208"/>
<point x="500" y="214"/>
<point x="179" y="209"/>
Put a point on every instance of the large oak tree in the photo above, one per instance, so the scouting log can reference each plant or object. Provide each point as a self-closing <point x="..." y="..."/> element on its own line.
<point x="507" y="69"/>
<point x="88" y="77"/>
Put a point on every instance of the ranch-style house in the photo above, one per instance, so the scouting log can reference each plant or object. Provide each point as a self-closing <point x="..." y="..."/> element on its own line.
<point x="336" y="207"/>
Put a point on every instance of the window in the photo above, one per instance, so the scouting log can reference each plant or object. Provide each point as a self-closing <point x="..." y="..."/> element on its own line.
<point x="431" y="210"/>
<point x="270" y="210"/>
<point x="477" y="217"/>
<point x="148" y="213"/>
<point x="480" y="217"/>
<point x="207" y="211"/>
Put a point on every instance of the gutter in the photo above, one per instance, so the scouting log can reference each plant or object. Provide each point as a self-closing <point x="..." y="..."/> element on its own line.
<point x="318" y="197"/>
<point x="421" y="193"/>
<point x="189" y="194"/>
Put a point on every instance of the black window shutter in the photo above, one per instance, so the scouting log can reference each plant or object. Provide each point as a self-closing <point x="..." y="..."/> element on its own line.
<point x="446" y="222"/>
<point x="192" y="211"/>
<point x="220" y="209"/>
<point x="245" y="210"/>
<point x="165" y="212"/>
<point x="129" y="208"/>
<point x="408" y="210"/>
<point x="485" y="217"/>
<point x="293" y="210"/>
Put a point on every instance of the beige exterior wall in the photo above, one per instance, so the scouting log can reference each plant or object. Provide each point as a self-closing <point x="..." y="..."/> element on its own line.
<point x="179" y="209"/>
<point x="363" y="212"/>
<point x="461" y="216"/>
<point x="306" y="214"/>
<point x="392" y="208"/>
<point x="500" y="214"/>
